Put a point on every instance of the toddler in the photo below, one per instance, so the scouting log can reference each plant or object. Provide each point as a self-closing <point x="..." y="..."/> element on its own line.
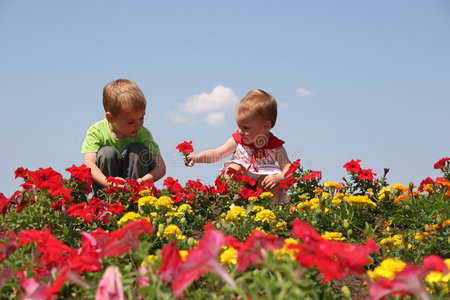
<point x="119" y="145"/>
<point x="256" y="151"/>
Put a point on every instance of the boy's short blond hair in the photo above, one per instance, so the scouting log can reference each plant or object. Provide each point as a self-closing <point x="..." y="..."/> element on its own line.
<point x="260" y="103"/>
<point x="122" y="93"/>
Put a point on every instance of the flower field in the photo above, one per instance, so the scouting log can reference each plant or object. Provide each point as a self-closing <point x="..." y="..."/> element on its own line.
<point x="359" y="238"/>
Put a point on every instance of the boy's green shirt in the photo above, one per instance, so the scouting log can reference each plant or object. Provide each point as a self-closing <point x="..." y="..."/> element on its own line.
<point x="99" y="135"/>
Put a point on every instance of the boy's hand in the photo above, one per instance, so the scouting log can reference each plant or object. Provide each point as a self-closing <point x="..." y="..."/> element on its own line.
<point x="270" y="181"/>
<point x="117" y="184"/>
<point x="189" y="161"/>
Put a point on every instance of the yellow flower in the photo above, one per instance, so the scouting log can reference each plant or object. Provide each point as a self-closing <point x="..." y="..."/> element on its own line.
<point x="172" y="214"/>
<point x="228" y="256"/>
<point x="183" y="254"/>
<point x="285" y="251"/>
<point x="396" y="240"/>
<point x="333" y="236"/>
<point x="185" y="208"/>
<point x="163" y="202"/>
<point x="337" y="199"/>
<point x="399" y="188"/>
<point x="144" y="192"/>
<point x="265" y="216"/>
<point x="252" y="198"/>
<point x="439" y="279"/>
<point x="151" y="259"/>
<point x="172" y="232"/>
<point x="360" y="201"/>
<point x="235" y="214"/>
<point x="266" y="195"/>
<point x="384" y="194"/>
<point x="331" y="185"/>
<point x="257" y="208"/>
<point x="387" y="269"/>
<point x="318" y="191"/>
<point x="150" y="200"/>
<point x="281" y="226"/>
<point x="128" y="217"/>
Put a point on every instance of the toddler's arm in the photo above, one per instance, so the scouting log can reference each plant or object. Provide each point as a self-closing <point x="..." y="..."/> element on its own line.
<point x="213" y="155"/>
<point x="97" y="174"/>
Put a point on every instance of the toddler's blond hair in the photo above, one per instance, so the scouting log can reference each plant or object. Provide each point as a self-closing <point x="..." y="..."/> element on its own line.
<point x="260" y="103"/>
<point x="122" y="93"/>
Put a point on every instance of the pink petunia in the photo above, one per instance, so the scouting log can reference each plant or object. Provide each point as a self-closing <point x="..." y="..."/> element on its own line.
<point x="110" y="286"/>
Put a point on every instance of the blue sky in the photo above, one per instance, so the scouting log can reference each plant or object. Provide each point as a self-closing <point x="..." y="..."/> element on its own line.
<point x="362" y="80"/>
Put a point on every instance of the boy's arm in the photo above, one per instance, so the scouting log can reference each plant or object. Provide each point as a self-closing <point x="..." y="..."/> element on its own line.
<point x="158" y="172"/>
<point x="213" y="155"/>
<point x="97" y="174"/>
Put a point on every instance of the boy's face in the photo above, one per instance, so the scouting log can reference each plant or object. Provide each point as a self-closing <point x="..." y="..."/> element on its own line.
<point x="127" y="123"/>
<point x="252" y="129"/>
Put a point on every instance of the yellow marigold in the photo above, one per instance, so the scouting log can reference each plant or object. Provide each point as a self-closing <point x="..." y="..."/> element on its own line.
<point x="235" y="214"/>
<point x="396" y="240"/>
<point x="439" y="279"/>
<point x="185" y="208"/>
<point x="266" y="195"/>
<point x="400" y="188"/>
<point x="163" y="202"/>
<point x="333" y="236"/>
<point x="183" y="254"/>
<point x="387" y="269"/>
<point x="228" y="256"/>
<point x="384" y="194"/>
<point x="282" y="253"/>
<point x="150" y="260"/>
<point x="150" y="200"/>
<point x="144" y="192"/>
<point x="303" y="197"/>
<point x="281" y="226"/>
<point x="253" y="198"/>
<point x="318" y="191"/>
<point x="265" y="216"/>
<point x="172" y="232"/>
<point x="257" y="208"/>
<point x="128" y="217"/>
<point x="360" y="201"/>
<point x="173" y="214"/>
<point x="331" y="185"/>
<point x="337" y="199"/>
<point x="427" y="188"/>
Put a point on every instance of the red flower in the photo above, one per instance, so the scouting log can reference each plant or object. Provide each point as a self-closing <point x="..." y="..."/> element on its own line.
<point x="11" y="244"/>
<point x="366" y="175"/>
<point x="171" y="262"/>
<point x="246" y="193"/>
<point x="116" y="208"/>
<point x="287" y="183"/>
<point x="253" y="249"/>
<point x="424" y="182"/>
<point x="46" y="178"/>
<point x="173" y="185"/>
<point x="185" y="147"/>
<point x="293" y="167"/>
<point x="313" y="175"/>
<point x="21" y="172"/>
<point x="334" y="259"/>
<point x="441" y="163"/>
<point x="221" y="186"/>
<point x="202" y="259"/>
<point x="353" y="166"/>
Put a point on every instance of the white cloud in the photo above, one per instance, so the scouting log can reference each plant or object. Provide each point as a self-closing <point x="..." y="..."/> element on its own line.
<point x="220" y="98"/>
<point x="215" y="118"/>
<point x="177" y="118"/>
<point x="303" y="92"/>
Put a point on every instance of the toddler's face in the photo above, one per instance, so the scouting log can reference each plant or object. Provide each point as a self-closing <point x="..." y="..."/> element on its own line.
<point x="252" y="128"/>
<point x="128" y="122"/>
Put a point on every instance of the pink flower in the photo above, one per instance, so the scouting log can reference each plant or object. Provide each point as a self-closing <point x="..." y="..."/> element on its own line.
<point x="33" y="289"/>
<point x="171" y="262"/>
<point x="110" y="286"/>
<point x="409" y="281"/>
<point x="200" y="260"/>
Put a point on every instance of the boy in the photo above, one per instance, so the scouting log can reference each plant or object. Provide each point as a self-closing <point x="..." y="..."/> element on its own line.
<point x="119" y="145"/>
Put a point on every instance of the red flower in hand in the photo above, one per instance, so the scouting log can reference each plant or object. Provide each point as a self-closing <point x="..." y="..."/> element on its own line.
<point x="185" y="147"/>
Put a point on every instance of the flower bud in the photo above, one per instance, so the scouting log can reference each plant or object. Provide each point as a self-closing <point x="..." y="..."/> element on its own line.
<point x="346" y="224"/>
<point x="183" y="220"/>
<point x="349" y="232"/>
<point x="191" y="242"/>
<point x="169" y="220"/>
<point x="161" y="229"/>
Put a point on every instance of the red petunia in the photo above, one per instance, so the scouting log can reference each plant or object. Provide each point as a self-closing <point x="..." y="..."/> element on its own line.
<point x="441" y="163"/>
<point x="293" y="167"/>
<point x="185" y="147"/>
<point x="366" y="175"/>
<point x="253" y="249"/>
<point x="334" y="259"/>
<point x="313" y="175"/>
<point x="353" y="166"/>
<point x="46" y="178"/>
<point x="287" y="183"/>
<point x="171" y="262"/>
<point x="173" y="185"/>
<point x="20" y="172"/>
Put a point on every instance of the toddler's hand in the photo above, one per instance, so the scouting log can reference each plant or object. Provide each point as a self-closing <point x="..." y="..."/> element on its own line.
<point x="270" y="181"/>
<point x="189" y="162"/>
